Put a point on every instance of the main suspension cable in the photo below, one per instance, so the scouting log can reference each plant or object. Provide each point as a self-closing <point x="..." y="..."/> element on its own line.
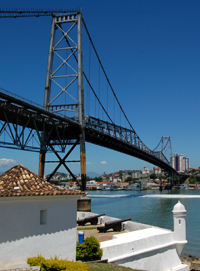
<point x="106" y="74"/>
<point x="22" y="12"/>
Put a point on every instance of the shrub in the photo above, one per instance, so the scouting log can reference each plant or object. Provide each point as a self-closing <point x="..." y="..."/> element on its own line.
<point x="90" y="250"/>
<point x="35" y="261"/>
<point x="54" y="264"/>
<point x="58" y="265"/>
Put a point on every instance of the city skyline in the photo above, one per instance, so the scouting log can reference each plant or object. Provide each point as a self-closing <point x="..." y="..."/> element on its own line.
<point x="150" y="52"/>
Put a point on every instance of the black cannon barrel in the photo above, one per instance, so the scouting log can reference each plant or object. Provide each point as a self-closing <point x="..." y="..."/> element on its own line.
<point x="117" y="221"/>
<point x="92" y="219"/>
<point x="95" y="216"/>
<point x="114" y="224"/>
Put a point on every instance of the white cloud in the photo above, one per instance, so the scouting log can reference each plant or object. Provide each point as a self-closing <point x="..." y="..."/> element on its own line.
<point x="89" y="163"/>
<point x="7" y="162"/>
<point x="103" y="162"/>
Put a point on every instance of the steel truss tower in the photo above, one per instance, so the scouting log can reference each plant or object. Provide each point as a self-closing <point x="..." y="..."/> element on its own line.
<point x="64" y="92"/>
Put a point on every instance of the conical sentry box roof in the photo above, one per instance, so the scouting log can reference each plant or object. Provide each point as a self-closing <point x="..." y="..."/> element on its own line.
<point x="179" y="208"/>
<point x="20" y="181"/>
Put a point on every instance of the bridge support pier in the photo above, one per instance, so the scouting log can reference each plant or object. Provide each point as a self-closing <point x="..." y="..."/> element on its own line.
<point x="81" y="104"/>
<point x="83" y="159"/>
<point x="41" y="165"/>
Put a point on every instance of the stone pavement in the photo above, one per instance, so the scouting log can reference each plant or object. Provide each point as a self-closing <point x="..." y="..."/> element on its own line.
<point x="31" y="268"/>
<point x="91" y="230"/>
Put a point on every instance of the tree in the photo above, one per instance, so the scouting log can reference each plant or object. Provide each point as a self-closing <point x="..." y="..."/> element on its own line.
<point x="128" y="179"/>
<point x="153" y="176"/>
<point x="87" y="178"/>
<point x="98" y="179"/>
<point x="135" y="180"/>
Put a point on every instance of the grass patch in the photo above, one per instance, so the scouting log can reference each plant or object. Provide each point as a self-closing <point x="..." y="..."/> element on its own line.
<point x="107" y="267"/>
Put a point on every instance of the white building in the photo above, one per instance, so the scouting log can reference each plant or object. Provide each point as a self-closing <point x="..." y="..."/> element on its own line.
<point x="136" y="174"/>
<point x="145" y="171"/>
<point x="181" y="162"/>
<point x="91" y="184"/>
<point x="186" y="163"/>
<point x="157" y="170"/>
<point x="36" y="218"/>
<point x="147" y="247"/>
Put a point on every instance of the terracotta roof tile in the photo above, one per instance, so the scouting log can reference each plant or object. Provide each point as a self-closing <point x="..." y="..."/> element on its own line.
<point x="19" y="181"/>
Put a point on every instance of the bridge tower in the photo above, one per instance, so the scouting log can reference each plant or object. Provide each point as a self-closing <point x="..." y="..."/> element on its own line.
<point x="166" y="149"/>
<point x="64" y="92"/>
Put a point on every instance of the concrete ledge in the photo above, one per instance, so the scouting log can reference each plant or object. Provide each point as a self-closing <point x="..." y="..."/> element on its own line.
<point x="182" y="267"/>
<point x="125" y="256"/>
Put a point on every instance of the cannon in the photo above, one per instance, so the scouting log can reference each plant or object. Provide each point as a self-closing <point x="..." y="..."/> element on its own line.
<point x="92" y="219"/>
<point x="116" y="225"/>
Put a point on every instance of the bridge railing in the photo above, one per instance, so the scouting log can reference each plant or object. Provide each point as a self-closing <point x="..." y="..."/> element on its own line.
<point x="18" y="97"/>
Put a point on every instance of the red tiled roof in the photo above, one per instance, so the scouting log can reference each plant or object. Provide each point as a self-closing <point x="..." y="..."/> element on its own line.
<point x="19" y="181"/>
<point x="124" y="184"/>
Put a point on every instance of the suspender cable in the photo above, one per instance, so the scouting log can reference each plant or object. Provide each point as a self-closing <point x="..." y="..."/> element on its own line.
<point x="89" y="83"/>
<point x="114" y="110"/>
<point x="99" y="93"/>
<point x="89" y="79"/>
<point x="106" y="74"/>
<point x="97" y="97"/>
<point x="107" y="81"/>
<point x="107" y="96"/>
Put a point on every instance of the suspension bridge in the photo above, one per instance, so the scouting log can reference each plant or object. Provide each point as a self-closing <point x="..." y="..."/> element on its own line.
<point x="76" y="105"/>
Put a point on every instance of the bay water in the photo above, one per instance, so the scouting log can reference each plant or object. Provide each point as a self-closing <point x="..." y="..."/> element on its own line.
<point x="153" y="207"/>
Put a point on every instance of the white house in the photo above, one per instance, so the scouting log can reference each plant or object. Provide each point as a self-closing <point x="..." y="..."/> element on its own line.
<point x="157" y="170"/>
<point x="36" y="218"/>
<point x="145" y="171"/>
<point x="147" y="247"/>
<point x="92" y="184"/>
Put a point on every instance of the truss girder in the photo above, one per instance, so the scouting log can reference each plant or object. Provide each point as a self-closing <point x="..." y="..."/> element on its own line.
<point x="22" y="122"/>
<point x="30" y="128"/>
<point x="126" y="141"/>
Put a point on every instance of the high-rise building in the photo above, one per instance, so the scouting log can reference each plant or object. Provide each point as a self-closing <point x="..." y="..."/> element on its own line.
<point x="179" y="162"/>
<point x="186" y="163"/>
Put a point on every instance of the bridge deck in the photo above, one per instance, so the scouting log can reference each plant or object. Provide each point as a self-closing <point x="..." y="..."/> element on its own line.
<point x="59" y="129"/>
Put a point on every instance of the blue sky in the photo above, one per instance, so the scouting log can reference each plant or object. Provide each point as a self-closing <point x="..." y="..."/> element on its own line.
<point x="151" y="53"/>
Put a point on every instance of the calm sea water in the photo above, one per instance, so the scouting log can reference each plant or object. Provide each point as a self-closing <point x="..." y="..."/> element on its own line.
<point x="153" y="208"/>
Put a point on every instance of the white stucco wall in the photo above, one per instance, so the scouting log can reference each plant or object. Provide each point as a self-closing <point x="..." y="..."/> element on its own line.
<point x="143" y="246"/>
<point x="163" y="259"/>
<point x="22" y="235"/>
<point x="152" y="249"/>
